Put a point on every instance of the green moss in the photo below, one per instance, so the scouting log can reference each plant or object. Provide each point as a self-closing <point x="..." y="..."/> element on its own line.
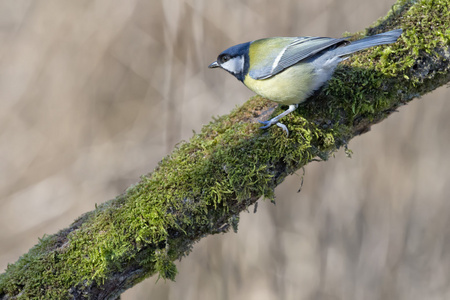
<point x="204" y="180"/>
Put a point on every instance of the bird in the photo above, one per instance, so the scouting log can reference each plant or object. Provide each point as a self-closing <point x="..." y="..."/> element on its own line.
<point x="288" y="70"/>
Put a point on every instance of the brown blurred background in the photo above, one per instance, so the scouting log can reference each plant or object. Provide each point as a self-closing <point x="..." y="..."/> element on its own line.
<point x="94" y="93"/>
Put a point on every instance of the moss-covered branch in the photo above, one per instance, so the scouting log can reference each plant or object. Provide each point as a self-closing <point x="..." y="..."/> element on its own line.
<point x="203" y="185"/>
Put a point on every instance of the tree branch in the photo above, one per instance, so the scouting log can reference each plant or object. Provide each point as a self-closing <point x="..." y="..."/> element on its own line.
<point x="203" y="185"/>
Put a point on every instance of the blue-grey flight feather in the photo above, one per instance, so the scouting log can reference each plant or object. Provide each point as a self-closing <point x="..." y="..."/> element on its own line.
<point x="367" y="42"/>
<point x="299" y="49"/>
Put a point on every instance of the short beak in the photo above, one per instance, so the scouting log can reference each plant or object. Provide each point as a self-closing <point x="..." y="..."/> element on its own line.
<point x="213" y="65"/>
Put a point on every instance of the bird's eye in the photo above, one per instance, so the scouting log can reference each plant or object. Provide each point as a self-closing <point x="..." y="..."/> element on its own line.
<point x="224" y="58"/>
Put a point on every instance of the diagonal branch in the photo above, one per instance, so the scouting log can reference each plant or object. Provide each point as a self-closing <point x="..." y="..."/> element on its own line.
<point x="205" y="183"/>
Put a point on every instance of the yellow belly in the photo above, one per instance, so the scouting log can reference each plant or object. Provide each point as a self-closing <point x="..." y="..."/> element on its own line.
<point x="292" y="86"/>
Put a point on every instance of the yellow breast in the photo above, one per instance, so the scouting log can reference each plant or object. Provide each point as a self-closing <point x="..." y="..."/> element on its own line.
<point x="291" y="86"/>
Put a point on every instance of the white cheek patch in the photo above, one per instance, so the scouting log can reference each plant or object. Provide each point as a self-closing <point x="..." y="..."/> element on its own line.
<point x="234" y="65"/>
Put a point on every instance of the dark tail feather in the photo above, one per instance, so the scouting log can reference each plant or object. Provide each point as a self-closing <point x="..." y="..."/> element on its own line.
<point x="367" y="42"/>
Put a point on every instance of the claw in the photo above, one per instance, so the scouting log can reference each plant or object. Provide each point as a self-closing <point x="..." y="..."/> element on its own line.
<point x="282" y="126"/>
<point x="266" y="124"/>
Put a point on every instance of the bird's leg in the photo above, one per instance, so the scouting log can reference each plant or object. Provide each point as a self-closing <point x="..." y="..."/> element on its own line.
<point x="272" y="121"/>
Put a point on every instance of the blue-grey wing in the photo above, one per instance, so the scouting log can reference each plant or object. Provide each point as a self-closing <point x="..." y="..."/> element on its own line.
<point x="298" y="49"/>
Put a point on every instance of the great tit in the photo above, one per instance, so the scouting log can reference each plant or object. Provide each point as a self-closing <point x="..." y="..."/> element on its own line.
<point x="288" y="70"/>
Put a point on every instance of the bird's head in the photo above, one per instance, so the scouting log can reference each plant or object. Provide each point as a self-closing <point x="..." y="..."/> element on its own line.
<point x="235" y="60"/>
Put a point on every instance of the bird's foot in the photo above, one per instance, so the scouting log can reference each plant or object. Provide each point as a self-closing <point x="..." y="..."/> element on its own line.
<point x="267" y="124"/>
<point x="273" y="121"/>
